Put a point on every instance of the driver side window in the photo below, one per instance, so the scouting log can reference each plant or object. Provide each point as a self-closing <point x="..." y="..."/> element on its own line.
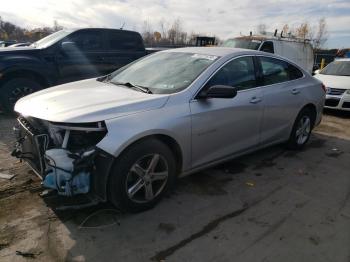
<point x="238" y="73"/>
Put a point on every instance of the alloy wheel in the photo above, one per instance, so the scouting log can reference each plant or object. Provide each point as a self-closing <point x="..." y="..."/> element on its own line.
<point x="303" y="131"/>
<point x="18" y="93"/>
<point x="147" y="178"/>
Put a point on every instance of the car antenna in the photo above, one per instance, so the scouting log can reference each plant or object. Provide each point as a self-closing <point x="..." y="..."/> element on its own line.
<point x="275" y="34"/>
<point x="122" y="27"/>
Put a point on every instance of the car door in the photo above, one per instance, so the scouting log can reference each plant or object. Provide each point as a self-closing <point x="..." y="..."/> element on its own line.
<point x="283" y="98"/>
<point x="123" y="48"/>
<point x="85" y="57"/>
<point x="221" y="126"/>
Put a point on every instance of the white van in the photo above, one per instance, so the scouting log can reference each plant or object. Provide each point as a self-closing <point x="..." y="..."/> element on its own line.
<point x="298" y="51"/>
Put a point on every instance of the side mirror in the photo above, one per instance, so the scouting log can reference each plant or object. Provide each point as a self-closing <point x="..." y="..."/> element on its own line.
<point x="317" y="71"/>
<point x="68" y="47"/>
<point x="219" y="91"/>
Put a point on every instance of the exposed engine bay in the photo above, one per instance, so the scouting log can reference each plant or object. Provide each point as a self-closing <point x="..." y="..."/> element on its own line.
<point x="62" y="154"/>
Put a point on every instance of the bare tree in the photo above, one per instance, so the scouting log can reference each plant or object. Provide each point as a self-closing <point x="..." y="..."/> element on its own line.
<point x="175" y="33"/>
<point x="163" y="29"/>
<point x="171" y="35"/>
<point x="304" y="31"/>
<point x="56" y="26"/>
<point x="286" y="30"/>
<point x="218" y="40"/>
<point x="192" y="38"/>
<point x="321" y="34"/>
<point x="147" y="33"/>
<point x="261" y="29"/>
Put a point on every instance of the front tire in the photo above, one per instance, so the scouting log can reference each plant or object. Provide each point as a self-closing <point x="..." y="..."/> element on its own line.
<point x="302" y="128"/>
<point x="141" y="176"/>
<point x="14" y="89"/>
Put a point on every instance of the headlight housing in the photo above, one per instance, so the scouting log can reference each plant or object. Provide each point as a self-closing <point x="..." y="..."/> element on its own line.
<point x="81" y="135"/>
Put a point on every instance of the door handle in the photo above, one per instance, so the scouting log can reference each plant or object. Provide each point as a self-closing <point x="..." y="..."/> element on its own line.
<point x="255" y="100"/>
<point x="295" y="91"/>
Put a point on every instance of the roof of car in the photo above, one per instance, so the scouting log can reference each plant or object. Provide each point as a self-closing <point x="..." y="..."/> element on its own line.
<point x="104" y="28"/>
<point x="216" y="51"/>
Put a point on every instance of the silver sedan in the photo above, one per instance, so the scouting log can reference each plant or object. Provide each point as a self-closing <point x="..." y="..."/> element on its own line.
<point x="127" y="136"/>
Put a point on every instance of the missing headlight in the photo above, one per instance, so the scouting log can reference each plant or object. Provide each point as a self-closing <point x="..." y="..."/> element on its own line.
<point x="77" y="137"/>
<point x="70" y="161"/>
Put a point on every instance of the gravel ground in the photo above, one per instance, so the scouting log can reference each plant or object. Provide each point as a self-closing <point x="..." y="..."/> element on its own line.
<point x="273" y="205"/>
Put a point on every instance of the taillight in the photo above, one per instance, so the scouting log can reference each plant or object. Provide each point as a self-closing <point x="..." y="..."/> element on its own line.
<point x="324" y="88"/>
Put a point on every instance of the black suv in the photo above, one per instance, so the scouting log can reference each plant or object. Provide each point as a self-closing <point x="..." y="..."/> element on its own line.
<point x="64" y="56"/>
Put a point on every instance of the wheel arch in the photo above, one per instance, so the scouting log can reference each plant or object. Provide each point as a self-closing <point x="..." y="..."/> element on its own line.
<point x="169" y="141"/>
<point x="313" y="110"/>
<point x="101" y="179"/>
<point x="24" y="73"/>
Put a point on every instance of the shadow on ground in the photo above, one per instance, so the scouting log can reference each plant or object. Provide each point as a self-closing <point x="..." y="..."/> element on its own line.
<point x="337" y="113"/>
<point x="273" y="205"/>
<point x="224" y="211"/>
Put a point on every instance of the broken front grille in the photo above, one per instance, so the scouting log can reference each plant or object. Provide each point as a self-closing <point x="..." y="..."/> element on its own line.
<point x="31" y="145"/>
<point x="332" y="102"/>
<point x="346" y="105"/>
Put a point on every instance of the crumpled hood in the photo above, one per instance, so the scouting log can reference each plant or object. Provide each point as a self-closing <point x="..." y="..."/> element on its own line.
<point x="87" y="101"/>
<point x="332" y="81"/>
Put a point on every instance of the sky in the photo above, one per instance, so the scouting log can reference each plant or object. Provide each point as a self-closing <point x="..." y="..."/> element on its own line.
<point x="223" y="18"/>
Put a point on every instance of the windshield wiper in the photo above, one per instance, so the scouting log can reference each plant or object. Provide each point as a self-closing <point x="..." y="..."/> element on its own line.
<point x="137" y="87"/>
<point x="105" y="78"/>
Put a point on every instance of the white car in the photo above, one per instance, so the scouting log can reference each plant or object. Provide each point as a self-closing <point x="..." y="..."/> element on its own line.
<point x="336" y="77"/>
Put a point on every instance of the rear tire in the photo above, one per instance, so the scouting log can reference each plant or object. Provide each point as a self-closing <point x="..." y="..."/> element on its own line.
<point x="141" y="176"/>
<point x="14" y="89"/>
<point x="301" y="131"/>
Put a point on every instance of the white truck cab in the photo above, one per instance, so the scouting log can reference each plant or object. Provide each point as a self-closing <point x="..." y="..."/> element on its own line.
<point x="298" y="51"/>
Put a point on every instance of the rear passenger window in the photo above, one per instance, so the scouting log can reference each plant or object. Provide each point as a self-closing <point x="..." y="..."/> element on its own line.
<point x="294" y="73"/>
<point x="125" y="41"/>
<point x="278" y="71"/>
<point x="274" y="70"/>
<point x="87" y="40"/>
<point x="239" y="73"/>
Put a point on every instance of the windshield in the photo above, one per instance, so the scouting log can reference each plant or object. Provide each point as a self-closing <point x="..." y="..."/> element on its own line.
<point x="164" y="72"/>
<point x="242" y="43"/>
<point x="337" y="68"/>
<point x="51" y="39"/>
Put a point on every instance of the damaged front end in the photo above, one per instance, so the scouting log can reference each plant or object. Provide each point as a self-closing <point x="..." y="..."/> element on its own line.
<point x="62" y="154"/>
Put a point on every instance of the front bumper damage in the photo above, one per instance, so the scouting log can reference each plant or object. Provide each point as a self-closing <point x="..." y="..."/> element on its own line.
<point x="63" y="155"/>
<point x="68" y="173"/>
